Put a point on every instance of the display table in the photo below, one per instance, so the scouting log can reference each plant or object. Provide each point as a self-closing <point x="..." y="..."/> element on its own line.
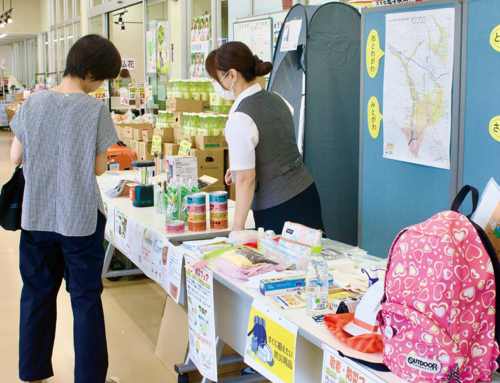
<point x="233" y="300"/>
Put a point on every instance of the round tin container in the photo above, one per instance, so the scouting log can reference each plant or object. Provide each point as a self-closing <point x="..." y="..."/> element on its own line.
<point x="218" y="206"/>
<point x="218" y="197"/>
<point x="197" y="226"/>
<point x="218" y="224"/>
<point x="175" y="227"/>
<point x="197" y="209"/>
<point x="197" y="199"/>
<point x="217" y="216"/>
<point x="197" y="217"/>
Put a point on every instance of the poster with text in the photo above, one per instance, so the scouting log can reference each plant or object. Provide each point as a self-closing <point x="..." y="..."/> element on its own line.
<point x="162" y="54"/>
<point x="151" y="51"/>
<point x="202" y="347"/>
<point x="270" y="344"/>
<point x="199" y="53"/>
<point x="201" y="29"/>
<point x="134" y="250"/>
<point x="121" y="225"/>
<point x="337" y="369"/>
<point x="172" y="260"/>
<point x="291" y="35"/>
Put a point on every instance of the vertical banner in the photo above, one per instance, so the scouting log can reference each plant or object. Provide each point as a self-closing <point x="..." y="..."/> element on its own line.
<point x="162" y="54"/>
<point x="337" y="369"/>
<point x="202" y="347"/>
<point x="270" y="345"/>
<point x="151" y="50"/>
<point x="201" y="37"/>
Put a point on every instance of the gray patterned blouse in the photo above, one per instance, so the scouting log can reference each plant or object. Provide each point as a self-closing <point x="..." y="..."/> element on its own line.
<point x="61" y="135"/>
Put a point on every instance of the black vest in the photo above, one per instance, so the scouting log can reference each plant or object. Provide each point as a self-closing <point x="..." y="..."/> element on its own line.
<point x="280" y="170"/>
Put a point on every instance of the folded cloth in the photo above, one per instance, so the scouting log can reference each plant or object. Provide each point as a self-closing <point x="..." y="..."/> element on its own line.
<point x="367" y="343"/>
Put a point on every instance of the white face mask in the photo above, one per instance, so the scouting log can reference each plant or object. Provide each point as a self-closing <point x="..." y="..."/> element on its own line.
<point x="225" y="94"/>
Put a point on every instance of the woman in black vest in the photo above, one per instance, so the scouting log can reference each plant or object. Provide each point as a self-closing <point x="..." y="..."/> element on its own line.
<point x="266" y="165"/>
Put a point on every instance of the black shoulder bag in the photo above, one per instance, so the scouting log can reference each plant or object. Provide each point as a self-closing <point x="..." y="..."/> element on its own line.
<point x="11" y="201"/>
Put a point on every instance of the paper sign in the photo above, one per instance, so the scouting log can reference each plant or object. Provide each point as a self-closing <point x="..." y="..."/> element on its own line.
<point x="495" y="128"/>
<point x="337" y="369"/>
<point x="495" y="39"/>
<point x="373" y="53"/>
<point x="291" y="35"/>
<point x="270" y="344"/>
<point x="156" y="145"/>
<point x="135" y="238"/>
<point x="202" y="347"/>
<point x="185" y="148"/>
<point x="121" y="225"/>
<point x="110" y="223"/>
<point x="128" y="64"/>
<point x="149" y="93"/>
<point x="152" y="254"/>
<point x="374" y="117"/>
<point x="172" y="259"/>
<point x="102" y="92"/>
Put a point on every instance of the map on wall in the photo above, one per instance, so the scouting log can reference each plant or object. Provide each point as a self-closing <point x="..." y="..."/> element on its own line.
<point x="418" y="81"/>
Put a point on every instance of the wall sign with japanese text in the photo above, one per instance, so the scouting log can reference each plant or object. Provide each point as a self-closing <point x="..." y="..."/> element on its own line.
<point x="128" y="64"/>
<point x="373" y="53"/>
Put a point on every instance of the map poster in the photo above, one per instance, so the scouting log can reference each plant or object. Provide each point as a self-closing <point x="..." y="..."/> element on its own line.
<point x="162" y="59"/>
<point x="418" y="78"/>
<point x="337" y="369"/>
<point x="201" y="318"/>
<point x="271" y="344"/>
<point x="121" y="225"/>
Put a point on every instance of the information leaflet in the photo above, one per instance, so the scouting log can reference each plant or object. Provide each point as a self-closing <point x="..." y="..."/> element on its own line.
<point x="171" y="271"/>
<point x="121" y="224"/>
<point x="152" y="248"/>
<point x="270" y="345"/>
<point x="291" y="35"/>
<point x="136" y="234"/>
<point x="337" y="369"/>
<point x="202" y="347"/>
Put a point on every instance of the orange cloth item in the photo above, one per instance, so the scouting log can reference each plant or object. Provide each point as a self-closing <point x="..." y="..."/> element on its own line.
<point x="367" y="343"/>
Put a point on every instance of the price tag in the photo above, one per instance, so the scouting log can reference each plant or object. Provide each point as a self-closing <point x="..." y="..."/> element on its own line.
<point x="373" y="53"/>
<point x="185" y="148"/>
<point x="156" y="145"/>
<point x="271" y="344"/>
<point x="338" y="369"/>
<point x="374" y="117"/>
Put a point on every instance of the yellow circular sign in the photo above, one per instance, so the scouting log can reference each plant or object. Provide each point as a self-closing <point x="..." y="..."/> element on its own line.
<point x="373" y="53"/>
<point x="495" y="128"/>
<point x="374" y="117"/>
<point x="495" y="39"/>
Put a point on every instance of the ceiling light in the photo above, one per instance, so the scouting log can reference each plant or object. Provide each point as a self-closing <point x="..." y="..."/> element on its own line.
<point x="123" y="28"/>
<point x="120" y="20"/>
<point x="2" y="24"/>
<point x="3" y="35"/>
<point x="8" y="19"/>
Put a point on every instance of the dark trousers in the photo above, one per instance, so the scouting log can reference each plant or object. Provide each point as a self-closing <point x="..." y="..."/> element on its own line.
<point x="305" y="208"/>
<point x="45" y="258"/>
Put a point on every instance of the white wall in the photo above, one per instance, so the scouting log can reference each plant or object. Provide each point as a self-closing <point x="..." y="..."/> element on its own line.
<point x="6" y="54"/>
<point x="130" y="44"/>
<point x="175" y="17"/>
<point x="236" y="10"/>
<point x="26" y="16"/>
<point x="44" y="15"/>
<point x="201" y="7"/>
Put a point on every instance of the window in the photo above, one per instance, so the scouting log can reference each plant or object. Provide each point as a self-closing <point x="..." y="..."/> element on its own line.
<point x="96" y="25"/>
<point x="78" y="8"/>
<point x="69" y="7"/>
<point x="62" y="50"/>
<point x="61" y="17"/>
<point x="70" y="36"/>
<point x="224" y="19"/>
<point x="97" y="2"/>
<point x="77" y="31"/>
<point x="268" y="6"/>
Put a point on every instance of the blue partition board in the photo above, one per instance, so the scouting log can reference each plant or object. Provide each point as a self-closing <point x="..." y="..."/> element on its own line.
<point x="482" y="95"/>
<point x="395" y="194"/>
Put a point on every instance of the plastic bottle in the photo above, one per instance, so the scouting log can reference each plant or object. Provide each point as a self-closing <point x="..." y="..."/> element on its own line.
<point x="262" y="237"/>
<point x="316" y="283"/>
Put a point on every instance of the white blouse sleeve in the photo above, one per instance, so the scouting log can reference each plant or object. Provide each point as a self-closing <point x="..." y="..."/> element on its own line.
<point x="242" y="137"/>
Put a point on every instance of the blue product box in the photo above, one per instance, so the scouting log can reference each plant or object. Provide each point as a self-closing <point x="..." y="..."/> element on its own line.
<point x="282" y="285"/>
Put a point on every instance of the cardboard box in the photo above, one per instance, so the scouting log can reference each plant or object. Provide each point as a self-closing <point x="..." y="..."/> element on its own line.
<point x="20" y="96"/>
<point x="147" y="135"/>
<point x="175" y="331"/>
<point x="206" y="106"/>
<point x="166" y="134"/>
<point x="231" y="192"/>
<point x="128" y="132"/>
<point x="186" y="138"/>
<point x="184" y="105"/>
<point x="170" y="149"/>
<point x="145" y="151"/>
<point x="262" y="82"/>
<point x="127" y="142"/>
<point x="135" y="147"/>
<point x="177" y="119"/>
<point x="210" y="142"/>
<point x="210" y="163"/>
<point x="209" y="189"/>
<point x="182" y="166"/>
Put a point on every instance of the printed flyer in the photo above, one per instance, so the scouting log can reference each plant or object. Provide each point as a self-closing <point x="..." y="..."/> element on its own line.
<point x="121" y="224"/>
<point x="162" y="59"/>
<point x="200" y="293"/>
<point x="134" y="249"/>
<point x="172" y="259"/>
<point x="270" y="345"/>
<point x="151" y="50"/>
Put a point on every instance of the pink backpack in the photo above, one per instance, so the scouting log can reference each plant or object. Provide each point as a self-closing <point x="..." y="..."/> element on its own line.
<point x="439" y="312"/>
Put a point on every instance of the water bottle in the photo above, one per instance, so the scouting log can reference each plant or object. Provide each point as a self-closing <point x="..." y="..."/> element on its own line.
<point x="316" y="283"/>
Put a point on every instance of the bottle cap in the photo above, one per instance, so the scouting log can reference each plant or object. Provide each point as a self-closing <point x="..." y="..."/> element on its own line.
<point x="261" y="232"/>
<point x="316" y="249"/>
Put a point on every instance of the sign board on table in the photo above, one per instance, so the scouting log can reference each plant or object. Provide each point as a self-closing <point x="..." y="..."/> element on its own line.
<point x="271" y="344"/>
<point x="338" y="369"/>
<point x="202" y="346"/>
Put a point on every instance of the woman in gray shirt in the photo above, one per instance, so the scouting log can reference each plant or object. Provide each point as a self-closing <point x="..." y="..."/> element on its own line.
<point x="62" y="137"/>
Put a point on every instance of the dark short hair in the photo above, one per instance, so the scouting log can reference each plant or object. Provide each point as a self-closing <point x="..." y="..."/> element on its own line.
<point x="95" y="56"/>
<point x="236" y="55"/>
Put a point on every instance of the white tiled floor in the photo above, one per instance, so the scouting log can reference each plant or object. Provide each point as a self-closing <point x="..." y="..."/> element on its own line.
<point x="132" y="311"/>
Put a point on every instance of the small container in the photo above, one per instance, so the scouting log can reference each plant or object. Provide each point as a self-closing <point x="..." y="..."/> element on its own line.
<point x="197" y="209"/>
<point x="197" y="217"/>
<point x="218" y="197"/>
<point x="197" y="199"/>
<point x="143" y="171"/>
<point x="197" y="226"/>
<point x="218" y="206"/>
<point x="219" y="224"/>
<point x="175" y="227"/>
<point x="216" y="216"/>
